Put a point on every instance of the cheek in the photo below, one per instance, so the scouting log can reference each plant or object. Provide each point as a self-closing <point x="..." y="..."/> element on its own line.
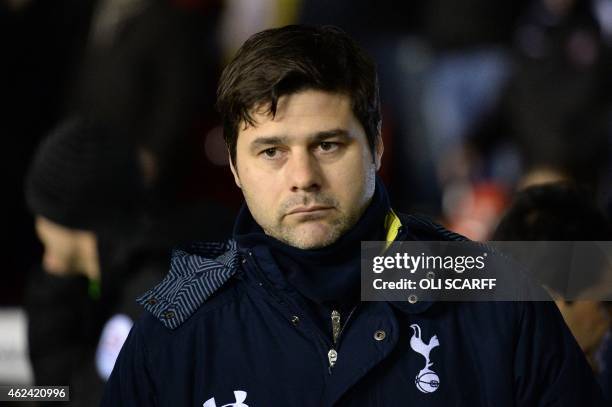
<point x="261" y="192"/>
<point x="354" y="179"/>
<point x="258" y="184"/>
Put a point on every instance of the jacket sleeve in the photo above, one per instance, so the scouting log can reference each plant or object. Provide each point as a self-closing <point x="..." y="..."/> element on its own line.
<point x="130" y="383"/>
<point x="550" y="368"/>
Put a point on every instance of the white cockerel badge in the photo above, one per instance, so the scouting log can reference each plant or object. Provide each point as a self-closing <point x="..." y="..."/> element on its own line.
<point x="426" y="380"/>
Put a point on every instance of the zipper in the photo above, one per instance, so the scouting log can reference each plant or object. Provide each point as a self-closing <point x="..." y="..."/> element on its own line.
<point x="337" y="326"/>
<point x="337" y="329"/>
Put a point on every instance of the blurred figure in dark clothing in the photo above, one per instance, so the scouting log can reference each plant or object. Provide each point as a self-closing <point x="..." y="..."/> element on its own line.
<point x="552" y="119"/>
<point x="83" y="184"/>
<point x="566" y="212"/>
<point x="102" y="250"/>
<point x="557" y="106"/>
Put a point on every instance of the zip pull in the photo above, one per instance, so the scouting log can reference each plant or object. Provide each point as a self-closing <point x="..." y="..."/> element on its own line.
<point x="332" y="356"/>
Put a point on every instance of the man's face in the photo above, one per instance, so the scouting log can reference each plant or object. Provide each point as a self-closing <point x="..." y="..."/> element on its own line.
<point x="307" y="174"/>
<point x="67" y="251"/>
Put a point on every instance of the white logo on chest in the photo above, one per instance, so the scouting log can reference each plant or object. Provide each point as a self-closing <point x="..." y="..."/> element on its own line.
<point x="427" y="381"/>
<point x="239" y="395"/>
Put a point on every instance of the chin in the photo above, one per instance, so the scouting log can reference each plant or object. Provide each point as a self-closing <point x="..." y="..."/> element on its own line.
<point x="309" y="245"/>
<point x="316" y="237"/>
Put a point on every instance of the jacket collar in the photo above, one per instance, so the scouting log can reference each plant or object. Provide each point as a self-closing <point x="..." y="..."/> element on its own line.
<point x="200" y="269"/>
<point x="196" y="272"/>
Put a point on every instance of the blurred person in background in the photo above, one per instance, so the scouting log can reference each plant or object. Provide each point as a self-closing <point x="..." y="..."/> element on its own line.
<point x="101" y="249"/>
<point x="551" y="121"/>
<point x="83" y="186"/>
<point x="555" y="114"/>
<point x="566" y="212"/>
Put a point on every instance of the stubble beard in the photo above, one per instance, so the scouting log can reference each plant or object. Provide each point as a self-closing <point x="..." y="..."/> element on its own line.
<point x="297" y="237"/>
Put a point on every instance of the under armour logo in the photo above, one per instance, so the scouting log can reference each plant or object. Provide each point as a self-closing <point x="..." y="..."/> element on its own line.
<point x="239" y="395"/>
<point x="427" y="381"/>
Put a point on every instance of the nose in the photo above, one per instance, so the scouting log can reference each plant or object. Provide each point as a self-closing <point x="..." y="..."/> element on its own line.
<point x="304" y="173"/>
<point x="54" y="264"/>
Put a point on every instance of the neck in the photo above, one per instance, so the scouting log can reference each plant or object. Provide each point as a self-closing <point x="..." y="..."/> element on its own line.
<point x="330" y="273"/>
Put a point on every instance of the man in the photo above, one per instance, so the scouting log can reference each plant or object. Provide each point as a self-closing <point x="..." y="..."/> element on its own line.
<point x="101" y="250"/>
<point x="563" y="211"/>
<point x="273" y="317"/>
<point x="81" y="188"/>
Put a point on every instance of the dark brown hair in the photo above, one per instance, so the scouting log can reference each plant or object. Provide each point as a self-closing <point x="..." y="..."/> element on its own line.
<point x="286" y="60"/>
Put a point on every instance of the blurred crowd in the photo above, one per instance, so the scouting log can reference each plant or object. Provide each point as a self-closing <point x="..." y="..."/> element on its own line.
<point x="116" y="153"/>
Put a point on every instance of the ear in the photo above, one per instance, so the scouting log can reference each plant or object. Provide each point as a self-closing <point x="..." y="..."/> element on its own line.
<point x="234" y="172"/>
<point x="379" y="150"/>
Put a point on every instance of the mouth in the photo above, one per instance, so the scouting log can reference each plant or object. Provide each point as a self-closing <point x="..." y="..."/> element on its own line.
<point x="309" y="210"/>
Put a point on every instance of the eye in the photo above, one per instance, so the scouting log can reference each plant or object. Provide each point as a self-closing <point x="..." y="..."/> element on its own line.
<point x="270" y="152"/>
<point x="328" y="146"/>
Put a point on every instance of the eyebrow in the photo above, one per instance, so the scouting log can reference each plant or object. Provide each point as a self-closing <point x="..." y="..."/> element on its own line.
<point x="267" y="141"/>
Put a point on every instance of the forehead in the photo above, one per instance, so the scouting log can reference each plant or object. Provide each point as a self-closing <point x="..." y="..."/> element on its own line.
<point x="302" y="114"/>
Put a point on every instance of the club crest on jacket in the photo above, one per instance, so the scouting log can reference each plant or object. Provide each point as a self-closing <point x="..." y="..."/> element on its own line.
<point x="427" y="381"/>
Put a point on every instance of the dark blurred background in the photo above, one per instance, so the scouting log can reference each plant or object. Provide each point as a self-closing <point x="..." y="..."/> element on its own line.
<point x="480" y="99"/>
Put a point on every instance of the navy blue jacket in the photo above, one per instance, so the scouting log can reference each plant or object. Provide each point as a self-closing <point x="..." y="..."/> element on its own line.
<point x="225" y="330"/>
